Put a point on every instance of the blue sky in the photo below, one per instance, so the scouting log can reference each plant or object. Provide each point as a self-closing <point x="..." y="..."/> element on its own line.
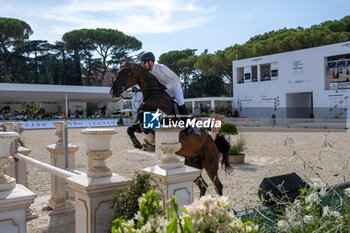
<point x="165" y="25"/>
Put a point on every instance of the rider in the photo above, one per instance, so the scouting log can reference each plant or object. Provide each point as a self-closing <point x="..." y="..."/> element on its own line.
<point x="166" y="77"/>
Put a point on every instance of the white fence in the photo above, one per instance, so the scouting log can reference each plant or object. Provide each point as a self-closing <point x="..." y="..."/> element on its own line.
<point x="91" y="192"/>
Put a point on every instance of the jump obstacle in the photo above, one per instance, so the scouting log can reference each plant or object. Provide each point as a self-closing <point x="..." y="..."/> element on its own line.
<point x="90" y="192"/>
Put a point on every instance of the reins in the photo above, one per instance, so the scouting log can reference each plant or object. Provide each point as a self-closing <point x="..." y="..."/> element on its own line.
<point x="135" y="89"/>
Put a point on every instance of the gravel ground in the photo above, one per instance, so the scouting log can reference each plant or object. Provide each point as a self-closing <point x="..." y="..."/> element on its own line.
<point x="267" y="155"/>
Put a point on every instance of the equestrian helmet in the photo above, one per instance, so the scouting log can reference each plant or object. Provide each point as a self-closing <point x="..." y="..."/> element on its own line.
<point x="147" y="56"/>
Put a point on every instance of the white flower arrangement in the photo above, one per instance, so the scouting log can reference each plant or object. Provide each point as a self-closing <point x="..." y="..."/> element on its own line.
<point x="208" y="214"/>
<point x="306" y="214"/>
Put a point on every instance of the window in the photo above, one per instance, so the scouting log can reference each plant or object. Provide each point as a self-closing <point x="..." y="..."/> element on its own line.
<point x="342" y="63"/>
<point x="332" y="64"/>
<point x="247" y="76"/>
<point x="265" y="71"/>
<point x="274" y="73"/>
<point x="254" y="73"/>
<point x="240" y="75"/>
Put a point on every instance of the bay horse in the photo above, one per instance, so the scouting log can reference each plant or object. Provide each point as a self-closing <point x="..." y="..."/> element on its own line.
<point x="200" y="151"/>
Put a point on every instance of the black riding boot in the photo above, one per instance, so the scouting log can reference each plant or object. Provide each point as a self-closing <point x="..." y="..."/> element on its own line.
<point x="183" y="111"/>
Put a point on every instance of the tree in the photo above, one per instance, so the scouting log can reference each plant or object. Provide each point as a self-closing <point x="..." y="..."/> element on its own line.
<point x="73" y="43"/>
<point x="59" y="67"/>
<point x="217" y="64"/>
<point x="111" y="46"/>
<point x="203" y="86"/>
<point x="12" y="32"/>
<point x="36" y="48"/>
<point x="182" y="63"/>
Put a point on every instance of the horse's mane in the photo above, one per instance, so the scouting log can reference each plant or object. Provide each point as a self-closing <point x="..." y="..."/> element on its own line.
<point x="145" y="72"/>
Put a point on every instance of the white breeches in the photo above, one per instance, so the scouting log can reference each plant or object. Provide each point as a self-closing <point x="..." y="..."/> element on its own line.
<point x="177" y="93"/>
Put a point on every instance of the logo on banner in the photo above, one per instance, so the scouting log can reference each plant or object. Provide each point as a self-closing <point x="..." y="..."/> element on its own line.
<point x="151" y="120"/>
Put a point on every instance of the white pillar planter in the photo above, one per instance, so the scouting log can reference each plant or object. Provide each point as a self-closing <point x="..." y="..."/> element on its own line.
<point x="94" y="190"/>
<point x="21" y="176"/>
<point x="6" y="138"/>
<point x="98" y="143"/>
<point x="171" y="174"/>
<point x="14" y="199"/>
<point x="57" y="201"/>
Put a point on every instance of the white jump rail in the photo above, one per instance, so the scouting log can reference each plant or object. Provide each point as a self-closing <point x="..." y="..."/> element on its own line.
<point x="54" y="170"/>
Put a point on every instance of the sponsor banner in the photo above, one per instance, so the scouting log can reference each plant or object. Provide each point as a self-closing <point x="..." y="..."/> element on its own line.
<point x="73" y="123"/>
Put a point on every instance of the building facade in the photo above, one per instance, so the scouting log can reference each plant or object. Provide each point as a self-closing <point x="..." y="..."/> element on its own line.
<point x="313" y="82"/>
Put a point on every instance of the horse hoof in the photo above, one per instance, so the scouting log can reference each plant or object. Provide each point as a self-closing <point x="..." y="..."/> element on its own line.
<point x="148" y="147"/>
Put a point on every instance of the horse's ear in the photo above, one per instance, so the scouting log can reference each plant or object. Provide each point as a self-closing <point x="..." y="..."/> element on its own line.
<point x="126" y="59"/>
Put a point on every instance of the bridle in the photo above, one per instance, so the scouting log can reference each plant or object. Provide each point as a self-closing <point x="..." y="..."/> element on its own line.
<point x="128" y="69"/>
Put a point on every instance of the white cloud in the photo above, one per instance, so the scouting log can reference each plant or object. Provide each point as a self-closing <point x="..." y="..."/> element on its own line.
<point x="136" y="17"/>
<point x="50" y="20"/>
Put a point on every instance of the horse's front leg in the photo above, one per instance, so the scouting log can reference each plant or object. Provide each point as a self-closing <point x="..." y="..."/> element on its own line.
<point x="131" y="132"/>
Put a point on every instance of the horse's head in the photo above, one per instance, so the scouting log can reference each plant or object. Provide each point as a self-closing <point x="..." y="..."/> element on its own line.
<point x="125" y="79"/>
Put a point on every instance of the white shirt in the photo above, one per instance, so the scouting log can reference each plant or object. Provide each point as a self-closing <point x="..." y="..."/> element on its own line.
<point x="165" y="76"/>
<point x="170" y="80"/>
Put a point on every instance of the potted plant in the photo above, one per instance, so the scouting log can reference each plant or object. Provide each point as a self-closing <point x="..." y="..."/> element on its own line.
<point x="236" y="155"/>
<point x="228" y="129"/>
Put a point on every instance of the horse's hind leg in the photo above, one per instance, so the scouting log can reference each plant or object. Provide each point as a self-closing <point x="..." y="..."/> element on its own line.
<point x="212" y="167"/>
<point x="131" y="132"/>
<point x="196" y="162"/>
<point x="202" y="185"/>
<point x="216" y="181"/>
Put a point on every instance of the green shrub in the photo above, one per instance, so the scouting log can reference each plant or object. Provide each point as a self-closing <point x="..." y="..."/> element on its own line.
<point x="125" y="202"/>
<point x="120" y="121"/>
<point x="234" y="150"/>
<point x="239" y="146"/>
<point x="228" y="128"/>
<point x="236" y="114"/>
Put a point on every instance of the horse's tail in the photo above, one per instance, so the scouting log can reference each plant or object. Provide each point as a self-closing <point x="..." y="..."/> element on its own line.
<point x="224" y="148"/>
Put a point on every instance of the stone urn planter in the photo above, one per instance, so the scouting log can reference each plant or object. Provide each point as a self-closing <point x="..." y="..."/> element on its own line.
<point x="236" y="159"/>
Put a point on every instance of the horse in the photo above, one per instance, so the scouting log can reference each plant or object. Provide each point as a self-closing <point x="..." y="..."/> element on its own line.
<point x="200" y="151"/>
